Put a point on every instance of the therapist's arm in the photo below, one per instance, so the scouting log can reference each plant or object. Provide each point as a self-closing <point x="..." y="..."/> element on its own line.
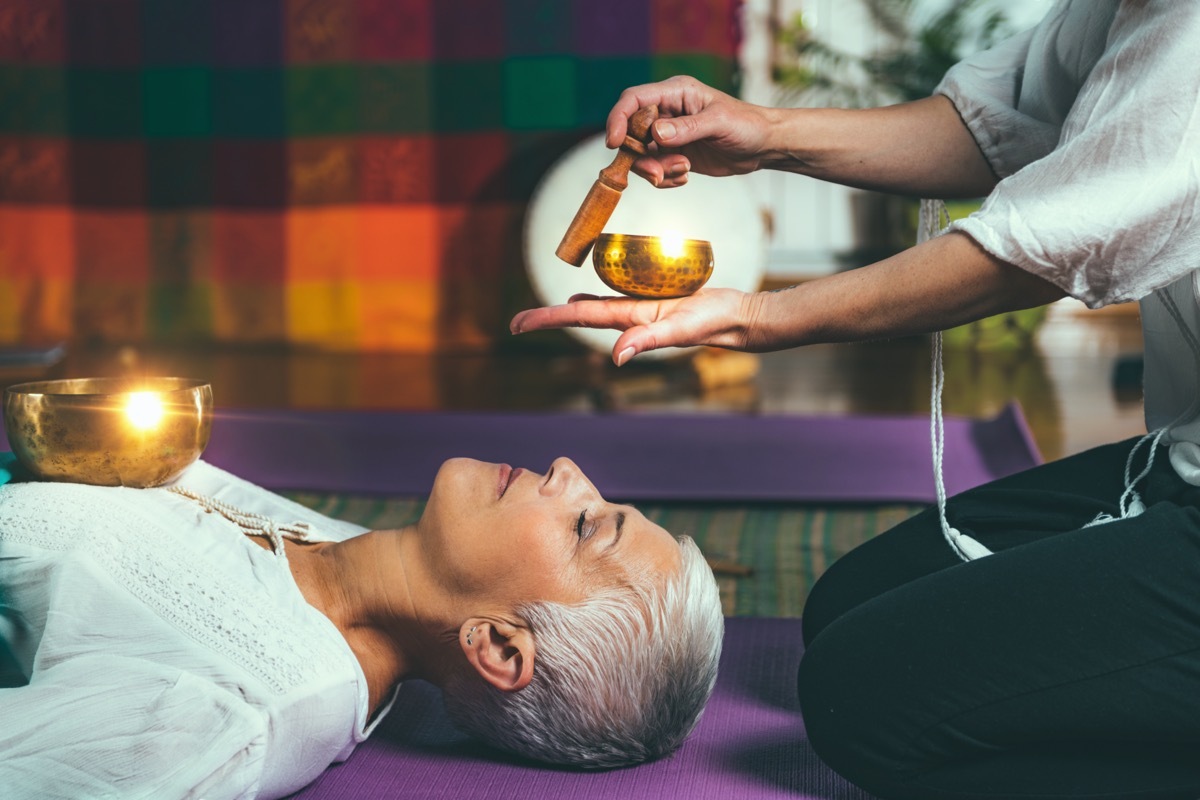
<point x="938" y="284"/>
<point x="921" y="148"/>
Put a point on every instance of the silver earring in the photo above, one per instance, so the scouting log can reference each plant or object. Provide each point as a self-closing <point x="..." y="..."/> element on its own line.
<point x="469" y="635"/>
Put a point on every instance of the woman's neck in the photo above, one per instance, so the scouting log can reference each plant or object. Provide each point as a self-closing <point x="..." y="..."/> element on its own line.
<point x="362" y="585"/>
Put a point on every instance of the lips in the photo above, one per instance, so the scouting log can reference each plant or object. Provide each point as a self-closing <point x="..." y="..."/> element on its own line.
<point x="507" y="476"/>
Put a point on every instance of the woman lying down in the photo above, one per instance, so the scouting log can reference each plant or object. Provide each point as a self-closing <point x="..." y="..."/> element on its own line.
<point x="168" y="642"/>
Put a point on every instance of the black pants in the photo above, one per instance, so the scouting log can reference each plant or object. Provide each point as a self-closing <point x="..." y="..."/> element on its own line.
<point x="1067" y="664"/>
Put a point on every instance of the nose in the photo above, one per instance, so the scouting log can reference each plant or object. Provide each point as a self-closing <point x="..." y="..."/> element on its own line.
<point x="566" y="478"/>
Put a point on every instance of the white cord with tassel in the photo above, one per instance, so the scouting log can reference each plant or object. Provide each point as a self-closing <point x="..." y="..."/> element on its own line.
<point x="934" y="220"/>
<point x="1130" y="504"/>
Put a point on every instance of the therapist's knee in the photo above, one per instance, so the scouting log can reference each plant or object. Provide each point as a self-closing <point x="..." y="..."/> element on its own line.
<point x="857" y="729"/>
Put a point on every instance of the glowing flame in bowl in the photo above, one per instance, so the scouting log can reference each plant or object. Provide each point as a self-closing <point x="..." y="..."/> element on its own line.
<point x="671" y="243"/>
<point x="144" y="410"/>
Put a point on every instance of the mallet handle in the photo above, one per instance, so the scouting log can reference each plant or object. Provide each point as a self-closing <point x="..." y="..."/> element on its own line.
<point x="600" y="201"/>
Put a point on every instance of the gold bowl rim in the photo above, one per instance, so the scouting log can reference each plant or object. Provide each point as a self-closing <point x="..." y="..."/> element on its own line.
<point x="643" y="238"/>
<point x="83" y="388"/>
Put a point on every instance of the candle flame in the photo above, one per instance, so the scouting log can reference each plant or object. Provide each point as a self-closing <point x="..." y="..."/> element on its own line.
<point x="144" y="410"/>
<point x="671" y="243"/>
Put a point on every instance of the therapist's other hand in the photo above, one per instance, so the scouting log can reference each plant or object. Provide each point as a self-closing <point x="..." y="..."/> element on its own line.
<point x="699" y="128"/>
<point x="717" y="317"/>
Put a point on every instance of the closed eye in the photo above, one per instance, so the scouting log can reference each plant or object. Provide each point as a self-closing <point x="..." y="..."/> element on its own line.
<point x="620" y="530"/>
<point x="584" y="527"/>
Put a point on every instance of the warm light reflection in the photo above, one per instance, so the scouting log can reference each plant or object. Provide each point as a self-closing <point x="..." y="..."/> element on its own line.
<point x="144" y="410"/>
<point x="671" y="243"/>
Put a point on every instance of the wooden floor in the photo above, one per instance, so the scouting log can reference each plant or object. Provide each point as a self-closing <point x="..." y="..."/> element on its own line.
<point x="1065" y="384"/>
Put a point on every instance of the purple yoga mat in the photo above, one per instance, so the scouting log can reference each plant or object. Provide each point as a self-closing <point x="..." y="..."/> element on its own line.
<point x="749" y="745"/>
<point x="627" y="456"/>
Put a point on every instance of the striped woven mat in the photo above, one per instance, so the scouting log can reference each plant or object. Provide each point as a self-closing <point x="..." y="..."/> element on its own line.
<point x="783" y="547"/>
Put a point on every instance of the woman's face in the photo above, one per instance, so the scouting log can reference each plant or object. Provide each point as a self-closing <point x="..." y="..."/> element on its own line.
<point x="505" y="537"/>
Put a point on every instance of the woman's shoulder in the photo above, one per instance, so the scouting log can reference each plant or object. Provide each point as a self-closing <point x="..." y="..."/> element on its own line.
<point x="153" y="550"/>
<point x="51" y="515"/>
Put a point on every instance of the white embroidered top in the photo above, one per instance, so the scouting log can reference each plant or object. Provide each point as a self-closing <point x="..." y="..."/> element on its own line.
<point x="1092" y="121"/>
<point x="158" y="652"/>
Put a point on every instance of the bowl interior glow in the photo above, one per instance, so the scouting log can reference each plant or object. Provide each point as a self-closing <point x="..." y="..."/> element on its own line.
<point x="135" y="432"/>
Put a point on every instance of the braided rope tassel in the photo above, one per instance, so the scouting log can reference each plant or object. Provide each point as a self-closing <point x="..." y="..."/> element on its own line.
<point x="934" y="220"/>
<point x="251" y="524"/>
<point x="1130" y="504"/>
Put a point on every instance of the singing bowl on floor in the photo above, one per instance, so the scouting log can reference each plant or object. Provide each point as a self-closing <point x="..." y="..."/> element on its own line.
<point x="640" y="266"/>
<point x="136" y="432"/>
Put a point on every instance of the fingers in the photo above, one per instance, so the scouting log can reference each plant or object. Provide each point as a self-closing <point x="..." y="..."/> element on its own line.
<point x="680" y="131"/>
<point x="582" y="311"/>
<point x="675" y="170"/>
<point x="664" y="171"/>
<point x="706" y="317"/>
<point x="621" y="356"/>
<point x="671" y="96"/>
<point x="618" y="313"/>
<point x="650" y="168"/>
<point x="643" y="338"/>
<point x="627" y="345"/>
<point x="684" y="108"/>
<point x="617" y="125"/>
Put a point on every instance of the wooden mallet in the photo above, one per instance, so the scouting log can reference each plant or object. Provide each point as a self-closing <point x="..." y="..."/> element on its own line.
<point x="606" y="191"/>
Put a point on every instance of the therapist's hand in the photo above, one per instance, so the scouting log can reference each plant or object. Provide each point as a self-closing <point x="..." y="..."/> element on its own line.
<point x="717" y="317"/>
<point x="699" y="128"/>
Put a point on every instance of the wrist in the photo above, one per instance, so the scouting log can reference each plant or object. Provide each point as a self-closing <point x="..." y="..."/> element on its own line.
<point x="790" y="139"/>
<point x="769" y="320"/>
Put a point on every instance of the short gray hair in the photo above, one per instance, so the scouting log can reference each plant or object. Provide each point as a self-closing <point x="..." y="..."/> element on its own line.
<point x="618" y="679"/>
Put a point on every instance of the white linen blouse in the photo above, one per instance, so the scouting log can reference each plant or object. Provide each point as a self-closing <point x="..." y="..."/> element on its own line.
<point x="160" y="653"/>
<point x="1092" y="121"/>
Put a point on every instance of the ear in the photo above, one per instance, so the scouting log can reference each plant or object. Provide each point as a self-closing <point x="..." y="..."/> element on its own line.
<point x="502" y="653"/>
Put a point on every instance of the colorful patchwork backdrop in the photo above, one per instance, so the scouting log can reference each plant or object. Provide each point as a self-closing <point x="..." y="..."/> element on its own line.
<point x="340" y="173"/>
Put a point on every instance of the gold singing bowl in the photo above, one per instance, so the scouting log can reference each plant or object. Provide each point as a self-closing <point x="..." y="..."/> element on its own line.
<point x="135" y="432"/>
<point x="651" y="267"/>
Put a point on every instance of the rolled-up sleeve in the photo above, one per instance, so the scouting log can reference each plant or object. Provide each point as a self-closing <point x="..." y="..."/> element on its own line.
<point x="1110" y="212"/>
<point x="985" y="90"/>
